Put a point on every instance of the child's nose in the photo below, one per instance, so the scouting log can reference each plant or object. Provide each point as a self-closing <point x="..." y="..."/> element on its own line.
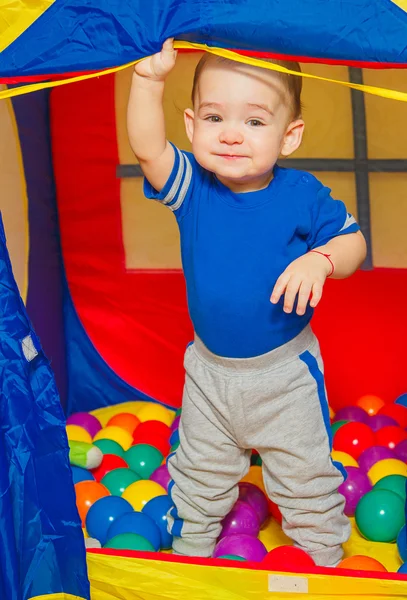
<point x="231" y="136"/>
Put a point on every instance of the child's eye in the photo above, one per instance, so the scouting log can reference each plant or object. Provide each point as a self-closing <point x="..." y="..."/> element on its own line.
<point x="213" y="119"/>
<point x="255" y="123"/>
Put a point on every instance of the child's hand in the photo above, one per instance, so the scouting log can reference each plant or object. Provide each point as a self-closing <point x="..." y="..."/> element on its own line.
<point x="158" y="66"/>
<point x="305" y="276"/>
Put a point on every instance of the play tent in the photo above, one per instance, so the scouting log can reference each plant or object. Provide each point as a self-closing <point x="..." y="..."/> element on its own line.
<point x="98" y="266"/>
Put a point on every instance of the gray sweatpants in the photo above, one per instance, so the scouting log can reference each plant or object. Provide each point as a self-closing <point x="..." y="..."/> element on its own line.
<point x="275" y="403"/>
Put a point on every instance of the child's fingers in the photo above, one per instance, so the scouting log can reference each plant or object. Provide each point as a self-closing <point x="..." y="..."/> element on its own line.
<point x="303" y="297"/>
<point x="290" y="294"/>
<point x="279" y="288"/>
<point x="316" y="293"/>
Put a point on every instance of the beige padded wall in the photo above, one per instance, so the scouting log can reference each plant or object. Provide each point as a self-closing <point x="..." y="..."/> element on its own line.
<point x="150" y="231"/>
<point x="13" y="203"/>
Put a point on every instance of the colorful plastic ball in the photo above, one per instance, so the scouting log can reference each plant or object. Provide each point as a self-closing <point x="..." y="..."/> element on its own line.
<point x="255" y="476"/>
<point x="372" y="455"/>
<point x="288" y="558"/>
<point x="370" y="403"/>
<point x="174" y="437"/>
<point x="256" y="498"/>
<point x="401" y="451"/>
<point x="337" y="425"/>
<point x="356" y="485"/>
<point x="136" y="522"/>
<point x="154" y="428"/>
<point x="102" y="514"/>
<point x="109" y="447"/>
<point x="377" y="422"/>
<point x="174" y="447"/>
<point x="158" y="508"/>
<point x="354" y="438"/>
<point x="345" y="459"/>
<point x="402" y="543"/>
<point x="80" y="474"/>
<point x="141" y="492"/>
<point x="161" y="476"/>
<point x="389" y="466"/>
<point x="403" y="569"/>
<point x="175" y="423"/>
<point x="275" y="512"/>
<point x="130" y="541"/>
<point x="125" y="421"/>
<point x="155" y="412"/>
<point x="362" y="563"/>
<point x="380" y="516"/>
<point x="118" y="480"/>
<point x="401" y="400"/>
<point x="178" y="412"/>
<point x="87" y="421"/>
<point x="143" y="459"/>
<point x="394" y="483"/>
<point x="117" y="434"/>
<point x="241" y="519"/>
<point x="351" y="413"/>
<point x="87" y="493"/>
<point x="246" y="546"/>
<point x="396" y="412"/>
<point x="232" y="557"/>
<point x="110" y="462"/>
<point x="152" y="439"/>
<point x="390" y="436"/>
<point x="75" y="433"/>
<point x="256" y="459"/>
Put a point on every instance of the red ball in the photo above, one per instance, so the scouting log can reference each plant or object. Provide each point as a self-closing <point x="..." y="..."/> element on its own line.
<point x="154" y="427"/>
<point x="110" y="462"/>
<point x="353" y="438"/>
<point x="153" y="439"/>
<point x="396" y="412"/>
<point x="288" y="558"/>
<point x="390" y="436"/>
<point x="275" y="511"/>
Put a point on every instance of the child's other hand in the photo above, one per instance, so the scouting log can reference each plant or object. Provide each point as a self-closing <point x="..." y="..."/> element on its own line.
<point x="158" y="66"/>
<point x="305" y="276"/>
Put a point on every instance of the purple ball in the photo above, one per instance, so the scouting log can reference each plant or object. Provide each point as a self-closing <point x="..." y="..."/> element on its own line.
<point x="250" y="493"/>
<point x="242" y="545"/>
<point x="175" y="423"/>
<point x="241" y="519"/>
<point x="85" y="420"/>
<point x="356" y="485"/>
<point x="376" y="422"/>
<point x="161" y="476"/>
<point x="351" y="413"/>
<point x="401" y="451"/>
<point x="372" y="455"/>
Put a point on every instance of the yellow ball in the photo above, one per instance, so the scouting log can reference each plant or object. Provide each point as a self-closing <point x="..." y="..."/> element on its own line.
<point x="345" y="459"/>
<point x="388" y="466"/>
<point x="155" y="412"/>
<point x="255" y="476"/>
<point x="117" y="434"/>
<point x="141" y="492"/>
<point x="78" y="434"/>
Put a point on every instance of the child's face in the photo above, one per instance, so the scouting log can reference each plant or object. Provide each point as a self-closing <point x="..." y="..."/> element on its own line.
<point x="241" y="124"/>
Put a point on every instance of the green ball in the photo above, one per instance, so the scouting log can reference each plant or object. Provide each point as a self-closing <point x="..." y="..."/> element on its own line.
<point x="109" y="447"/>
<point x="179" y="411"/>
<point x="232" y="557"/>
<point x="143" y="459"/>
<point x="394" y="483"/>
<point x="255" y="459"/>
<point x="118" y="480"/>
<point x="174" y="447"/>
<point x="380" y="515"/>
<point x="337" y="425"/>
<point x="129" y="541"/>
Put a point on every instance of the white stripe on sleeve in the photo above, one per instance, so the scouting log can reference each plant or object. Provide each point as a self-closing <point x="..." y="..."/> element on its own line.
<point x="174" y="188"/>
<point x="184" y="187"/>
<point x="349" y="221"/>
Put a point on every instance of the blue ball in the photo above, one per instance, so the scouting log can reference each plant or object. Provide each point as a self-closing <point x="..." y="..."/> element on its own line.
<point x="79" y="474"/>
<point x="174" y="437"/>
<point x="103" y="513"/>
<point x="403" y="569"/>
<point x="402" y="400"/>
<point x="136" y="522"/>
<point x="157" y="508"/>
<point x="402" y="543"/>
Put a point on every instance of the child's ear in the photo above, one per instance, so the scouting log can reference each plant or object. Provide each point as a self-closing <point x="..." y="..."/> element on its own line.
<point x="189" y="119"/>
<point x="293" y="137"/>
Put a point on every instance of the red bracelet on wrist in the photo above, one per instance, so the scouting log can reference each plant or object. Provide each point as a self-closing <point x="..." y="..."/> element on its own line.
<point x="328" y="256"/>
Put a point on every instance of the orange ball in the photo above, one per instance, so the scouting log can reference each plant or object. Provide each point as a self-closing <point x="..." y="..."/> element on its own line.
<point x="87" y="492"/>
<point x="362" y="563"/>
<point x="126" y="421"/>
<point x="370" y="403"/>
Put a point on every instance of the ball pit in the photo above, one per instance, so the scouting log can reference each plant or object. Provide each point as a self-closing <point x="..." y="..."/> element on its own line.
<point x="370" y="403"/>
<point x="117" y="434"/>
<point x="118" y="480"/>
<point x="380" y="515"/>
<point x="103" y="514"/>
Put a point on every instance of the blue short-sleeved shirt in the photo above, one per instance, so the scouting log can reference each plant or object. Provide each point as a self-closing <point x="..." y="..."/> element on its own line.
<point x="235" y="246"/>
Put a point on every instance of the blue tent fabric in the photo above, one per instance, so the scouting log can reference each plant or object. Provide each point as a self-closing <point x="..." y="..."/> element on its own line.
<point x="41" y="542"/>
<point x="73" y="35"/>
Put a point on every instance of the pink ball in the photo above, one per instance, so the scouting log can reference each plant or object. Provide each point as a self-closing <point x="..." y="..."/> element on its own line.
<point x="372" y="455"/>
<point x="250" y="493"/>
<point x="85" y="420"/>
<point x="401" y="451"/>
<point x="175" y="423"/>
<point x="161" y="476"/>
<point x="377" y="422"/>
<point x="241" y="519"/>
<point x="245" y="546"/>
<point x="356" y="485"/>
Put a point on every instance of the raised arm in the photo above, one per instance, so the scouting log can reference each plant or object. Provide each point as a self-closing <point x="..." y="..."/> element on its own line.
<point x="145" y="116"/>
